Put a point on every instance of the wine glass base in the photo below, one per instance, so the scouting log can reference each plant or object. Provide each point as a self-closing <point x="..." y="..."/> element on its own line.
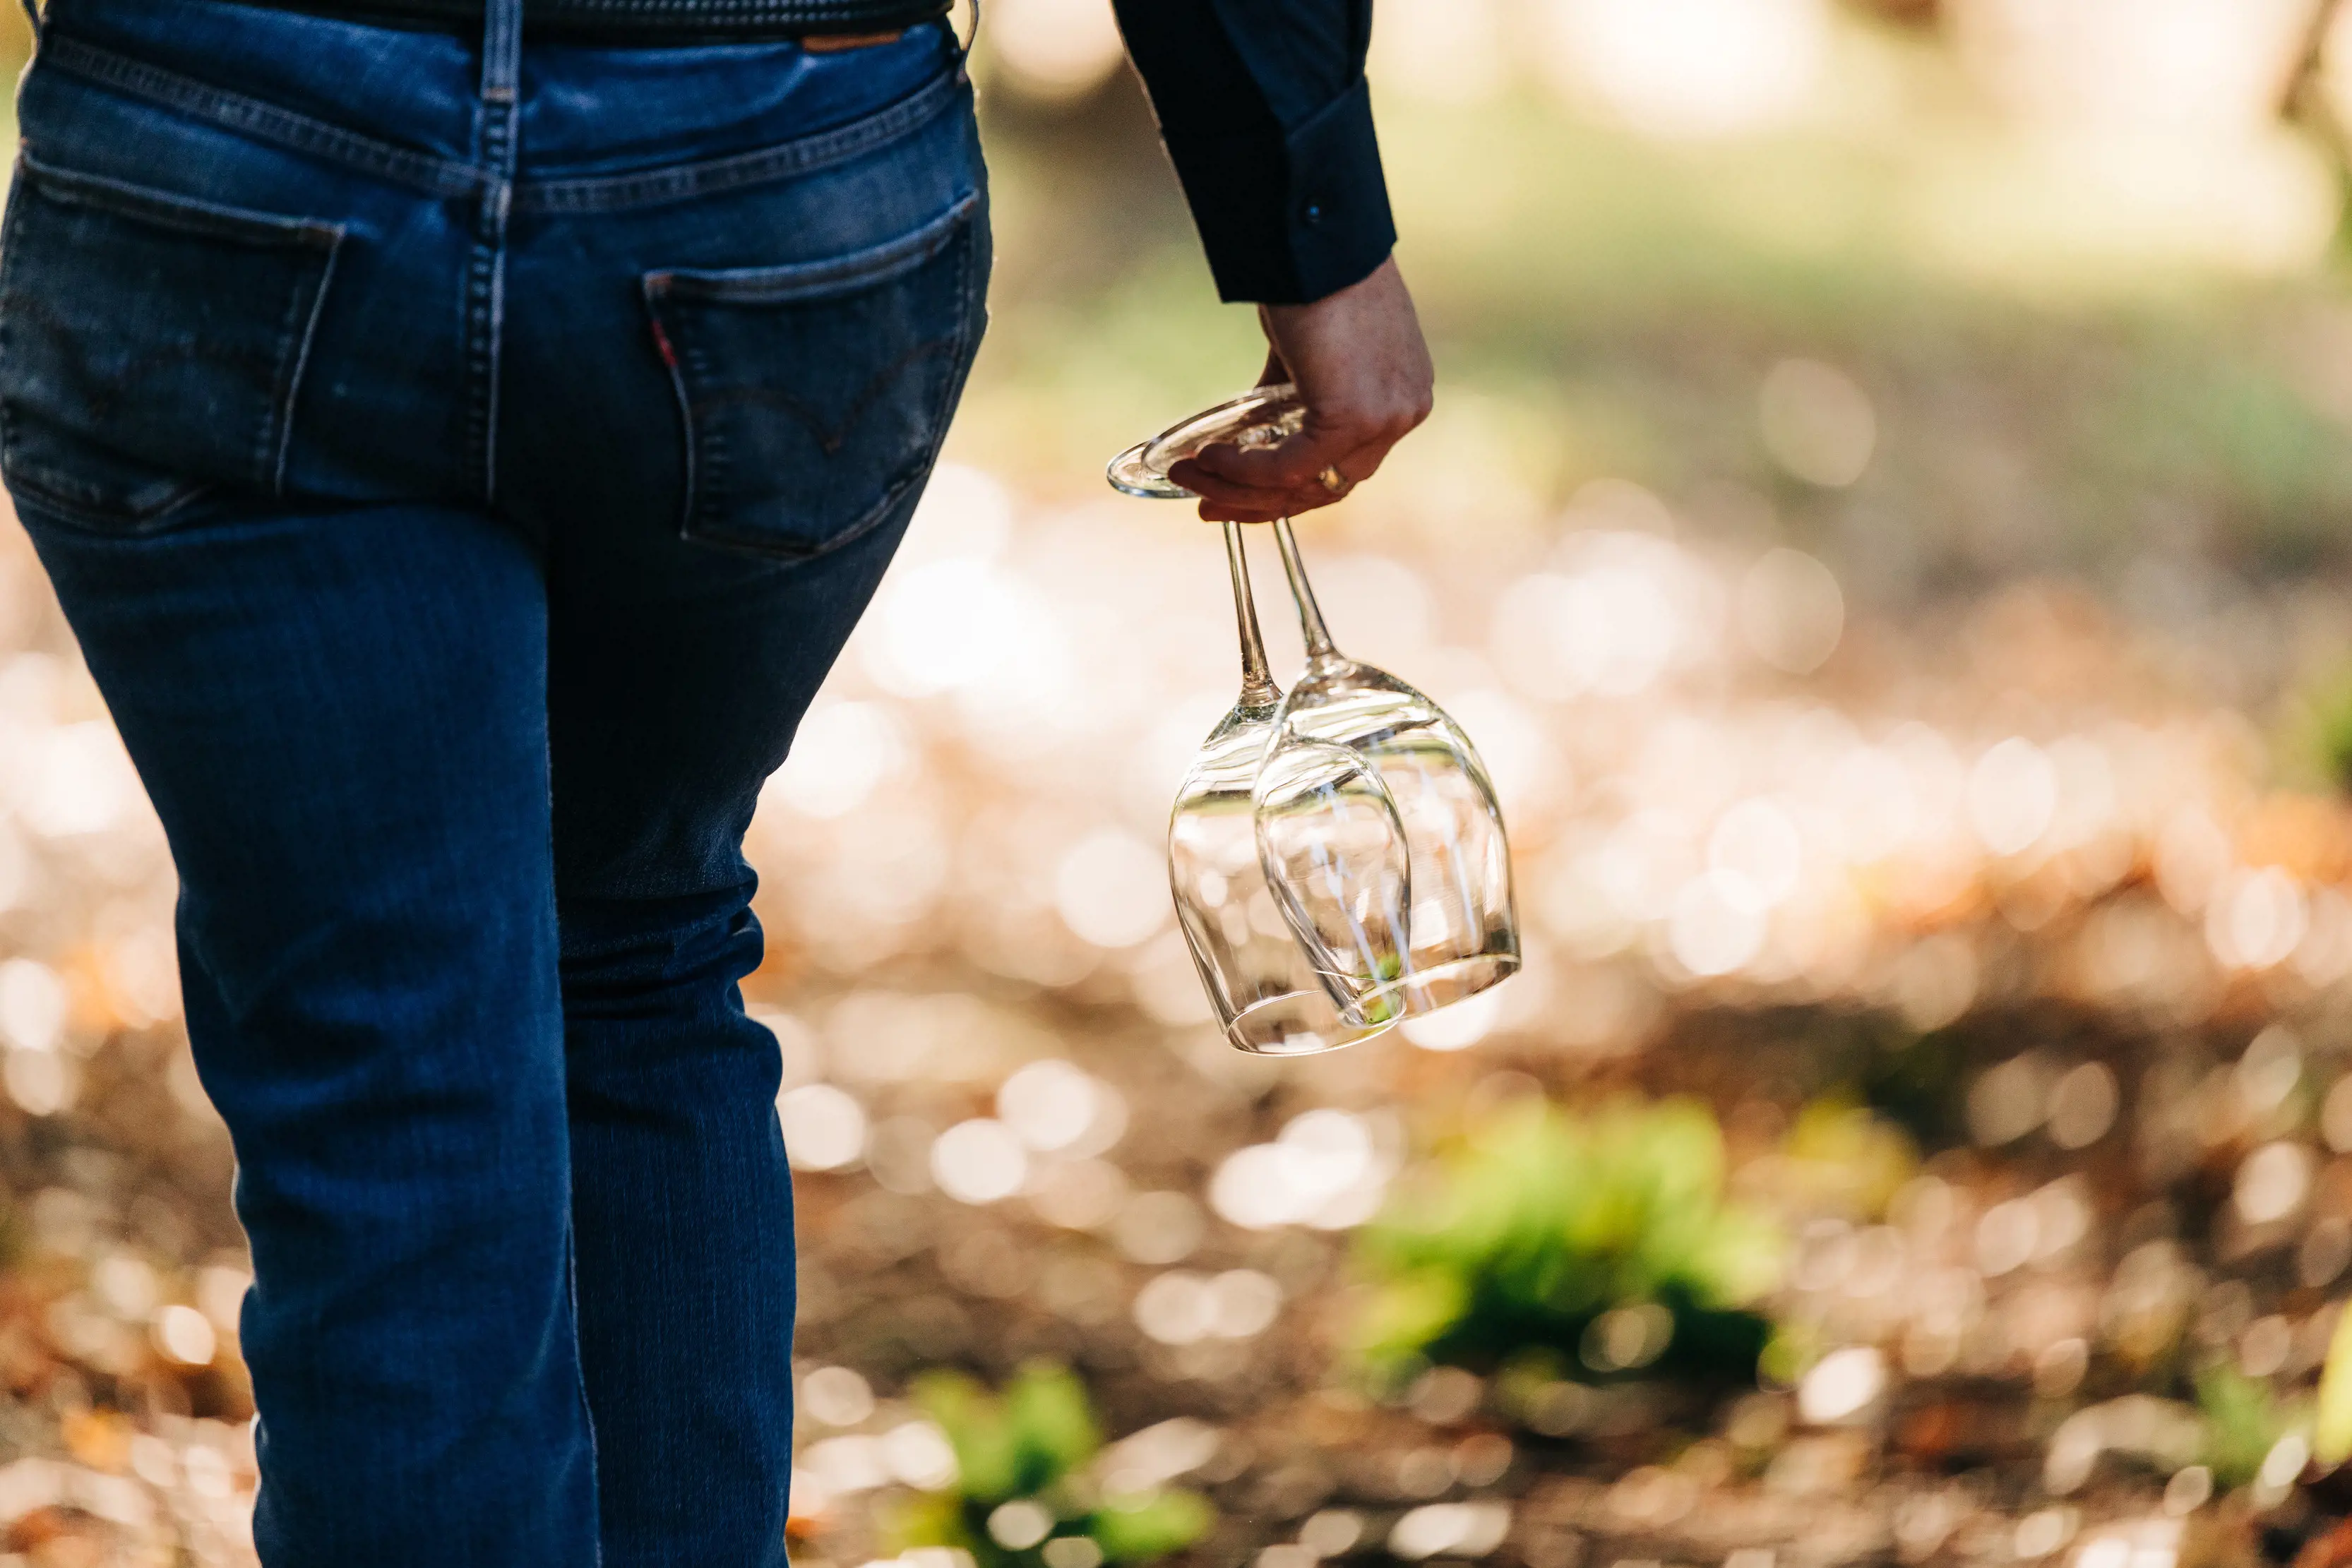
<point x="1424" y="991"/>
<point x="1281" y="1026"/>
<point x="1259" y="417"/>
<point x="1129" y="476"/>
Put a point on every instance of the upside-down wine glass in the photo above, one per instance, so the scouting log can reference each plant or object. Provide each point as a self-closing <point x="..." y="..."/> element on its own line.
<point x="1463" y="924"/>
<point x="1349" y="735"/>
<point x="1346" y="886"/>
<point x="1268" y="994"/>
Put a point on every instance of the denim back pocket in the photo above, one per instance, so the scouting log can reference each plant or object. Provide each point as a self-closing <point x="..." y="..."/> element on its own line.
<point x="151" y="345"/>
<point x="816" y="394"/>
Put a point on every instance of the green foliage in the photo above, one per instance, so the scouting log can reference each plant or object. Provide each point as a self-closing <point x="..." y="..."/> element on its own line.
<point x="1139" y="1529"/>
<point x="2243" y="1420"/>
<point x="1604" y="1237"/>
<point x="1041" y="1430"/>
<point x="1030" y="1446"/>
<point x="2328" y="715"/>
<point x="1839" y="1155"/>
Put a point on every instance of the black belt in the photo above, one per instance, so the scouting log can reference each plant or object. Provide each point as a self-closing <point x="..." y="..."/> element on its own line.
<point x="644" y="21"/>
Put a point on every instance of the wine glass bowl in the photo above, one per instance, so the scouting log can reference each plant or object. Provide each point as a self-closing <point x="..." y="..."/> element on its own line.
<point x="1272" y="993"/>
<point x="1461" y="924"/>
<point x="1270" y="996"/>
<point x="1333" y="850"/>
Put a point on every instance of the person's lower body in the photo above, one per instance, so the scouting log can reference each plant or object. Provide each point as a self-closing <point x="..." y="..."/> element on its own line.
<point x="457" y="536"/>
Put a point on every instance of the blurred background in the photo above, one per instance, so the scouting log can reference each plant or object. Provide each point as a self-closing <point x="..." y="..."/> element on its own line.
<point x="1885" y="523"/>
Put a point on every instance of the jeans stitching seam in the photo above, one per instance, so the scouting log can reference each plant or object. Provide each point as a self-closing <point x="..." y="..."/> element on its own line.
<point x="609" y="192"/>
<point x="8" y="318"/>
<point x="795" y="282"/>
<point x="265" y="120"/>
<point x="172" y="210"/>
<point x="300" y="364"/>
<point x="485" y="298"/>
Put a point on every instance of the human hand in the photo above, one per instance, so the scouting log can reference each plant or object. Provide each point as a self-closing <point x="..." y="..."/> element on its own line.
<point x="1362" y="369"/>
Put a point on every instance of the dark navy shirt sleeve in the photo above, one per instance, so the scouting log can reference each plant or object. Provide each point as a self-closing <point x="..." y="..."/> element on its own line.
<point x="1264" y="109"/>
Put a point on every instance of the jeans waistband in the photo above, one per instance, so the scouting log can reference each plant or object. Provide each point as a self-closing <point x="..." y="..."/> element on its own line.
<point x="440" y="176"/>
<point x="628" y="22"/>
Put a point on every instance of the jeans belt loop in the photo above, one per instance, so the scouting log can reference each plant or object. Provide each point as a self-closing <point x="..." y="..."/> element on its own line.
<point x="503" y="55"/>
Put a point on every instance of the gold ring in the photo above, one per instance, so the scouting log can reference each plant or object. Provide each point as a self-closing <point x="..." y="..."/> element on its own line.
<point x="1338" y="483"/>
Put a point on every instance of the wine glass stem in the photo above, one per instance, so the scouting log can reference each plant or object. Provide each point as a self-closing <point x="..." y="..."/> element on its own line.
<point x="1257" y="686"/>
<point x="1311" y="616"/>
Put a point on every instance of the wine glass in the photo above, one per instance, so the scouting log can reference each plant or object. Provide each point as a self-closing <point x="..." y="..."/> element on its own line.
<point x="1355" y="757"/>
<point x="1270" y="996"/>
<point x="1463" y="924"/>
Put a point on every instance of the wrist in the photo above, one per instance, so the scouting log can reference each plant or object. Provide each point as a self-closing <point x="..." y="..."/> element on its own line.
<point x="1379" y="280"/>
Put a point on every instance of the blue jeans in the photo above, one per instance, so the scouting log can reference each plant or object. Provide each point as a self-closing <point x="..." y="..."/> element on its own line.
<point x="461" y="460"/>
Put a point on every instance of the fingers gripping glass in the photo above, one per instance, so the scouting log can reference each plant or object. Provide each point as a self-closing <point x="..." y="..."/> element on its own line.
<point x="1260" y="417"/>
<point x="1380" y="845"/>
